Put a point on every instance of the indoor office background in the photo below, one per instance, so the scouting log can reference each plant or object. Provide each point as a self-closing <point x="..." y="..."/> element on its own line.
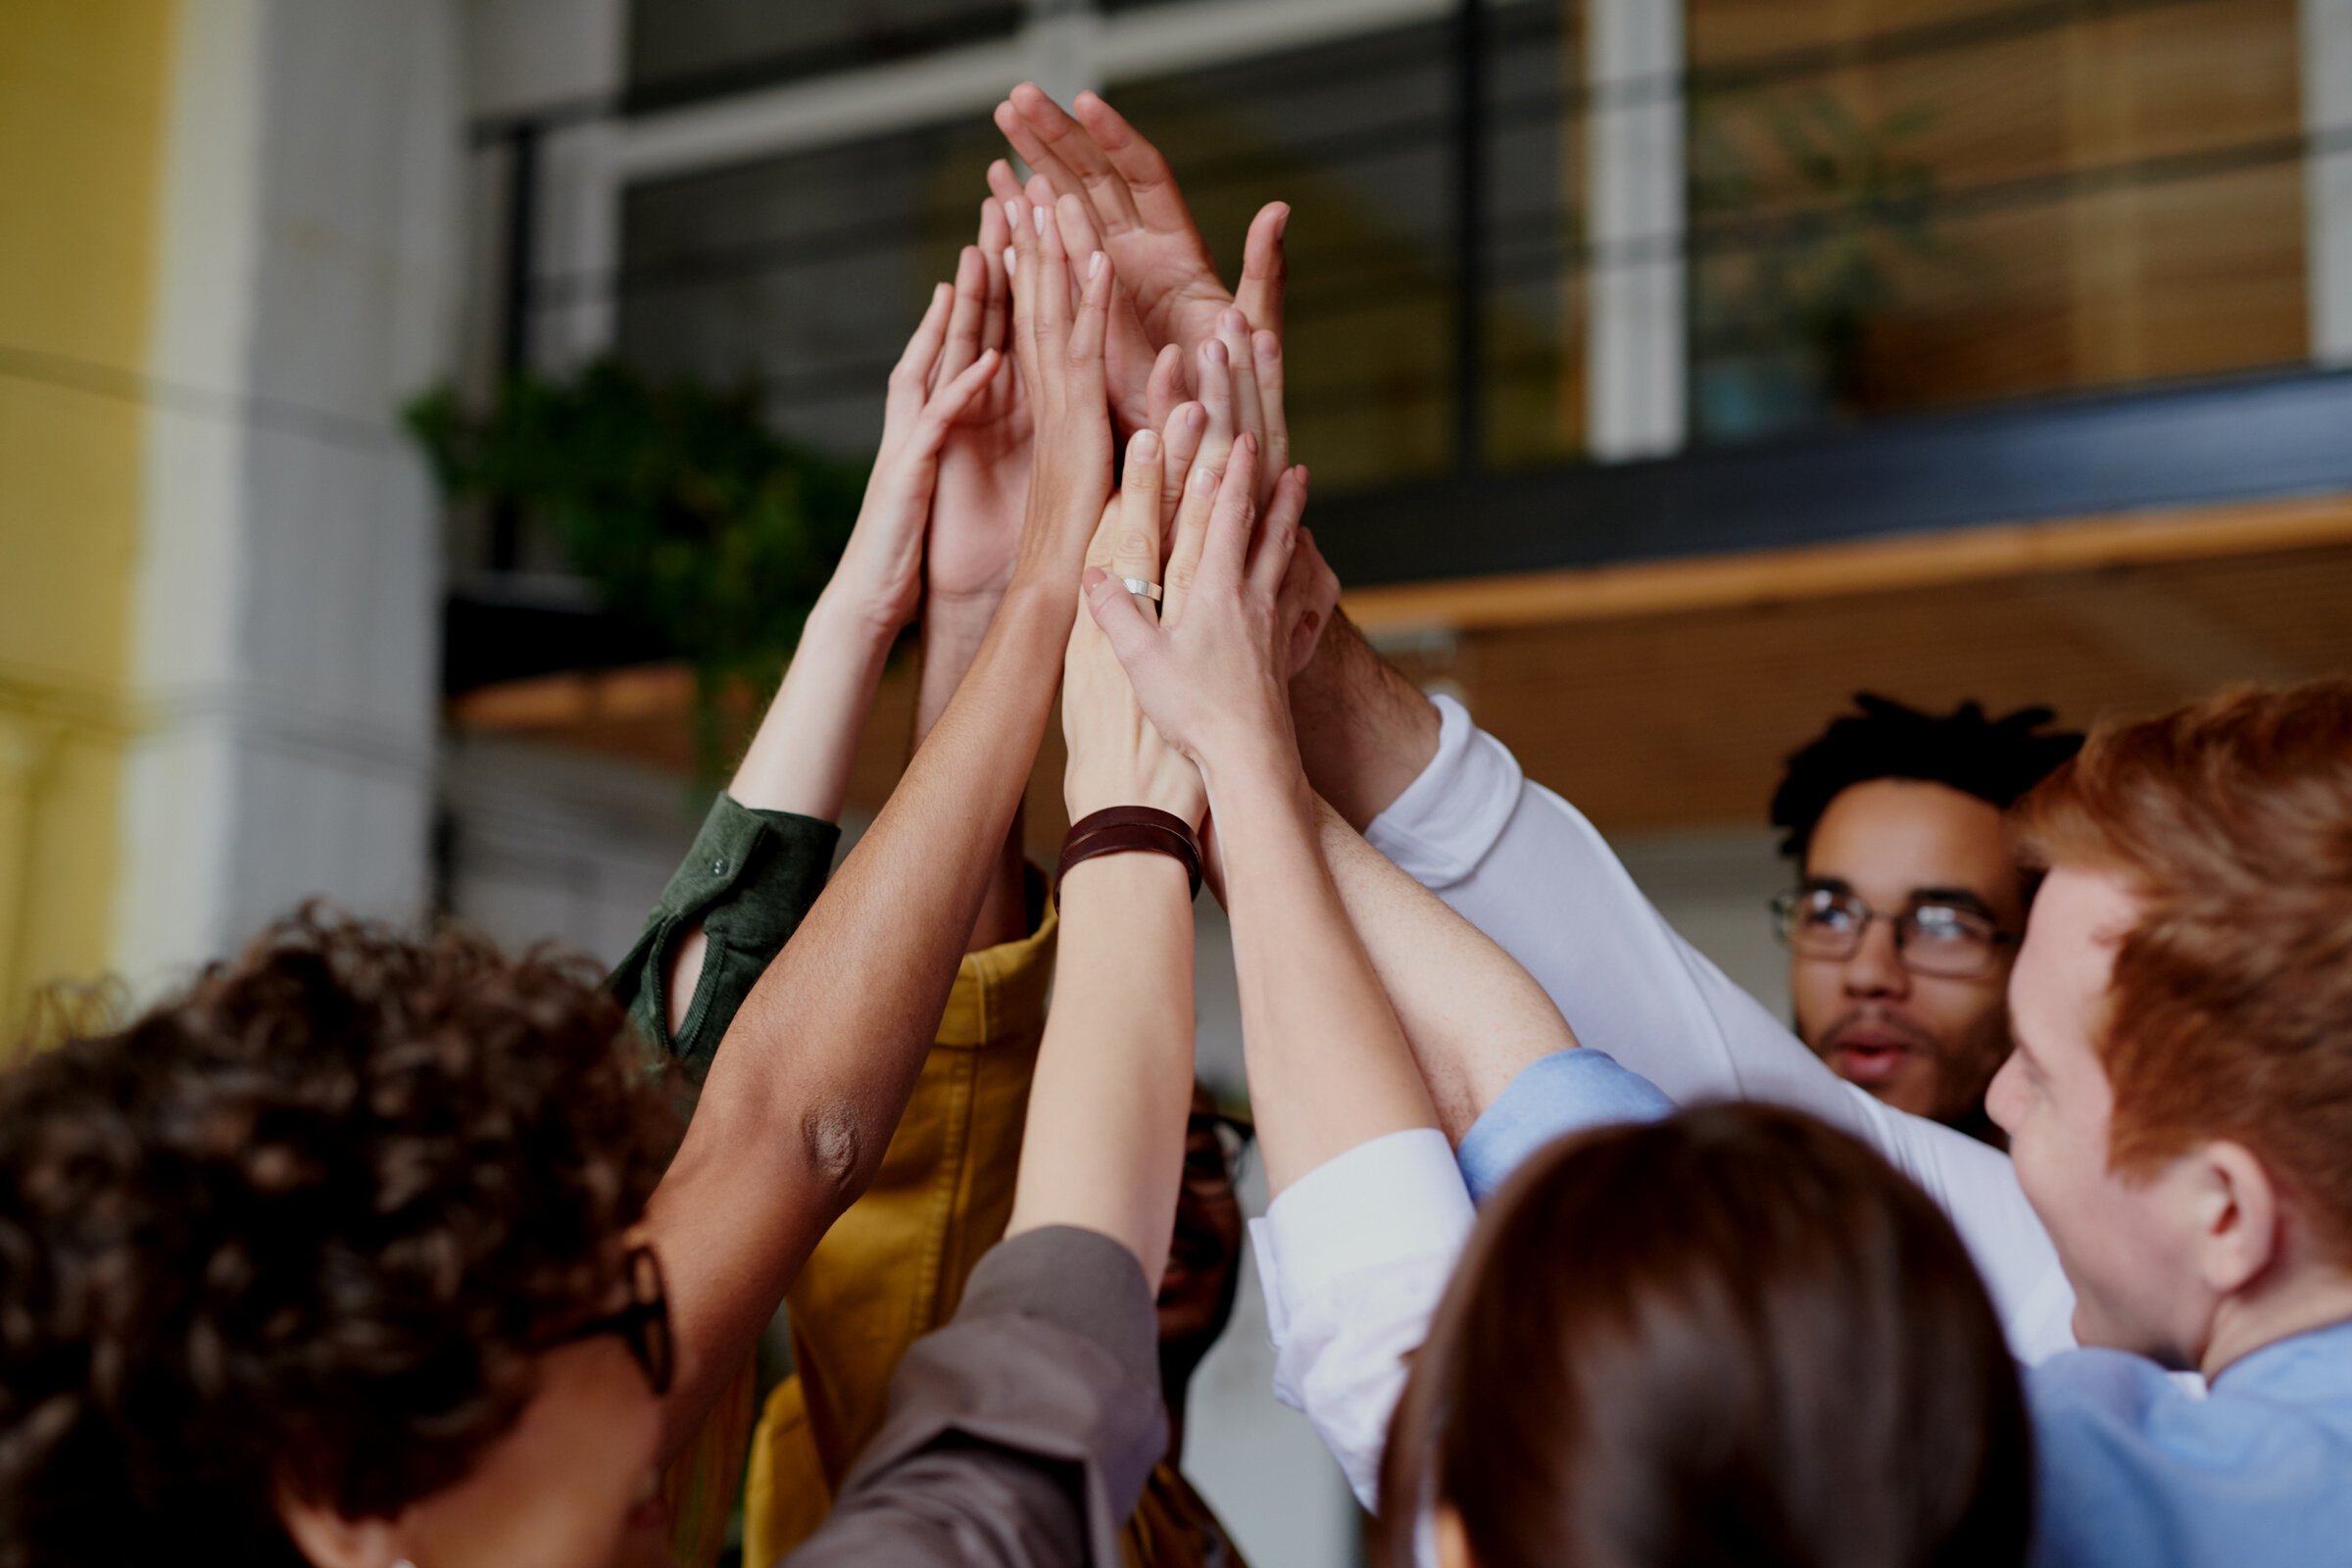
<point x="1669" y="371"/>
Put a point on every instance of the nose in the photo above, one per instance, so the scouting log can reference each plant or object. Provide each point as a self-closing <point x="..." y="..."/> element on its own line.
<point x="1877" y="970"/>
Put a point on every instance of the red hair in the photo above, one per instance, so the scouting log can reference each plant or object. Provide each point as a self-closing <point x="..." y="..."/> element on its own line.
<point x="2230" y="1008"/>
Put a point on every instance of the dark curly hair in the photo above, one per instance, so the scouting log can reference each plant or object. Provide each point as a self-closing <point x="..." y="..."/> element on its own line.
<point x="1994" y="759"/>
<point x="304" y="1227"/>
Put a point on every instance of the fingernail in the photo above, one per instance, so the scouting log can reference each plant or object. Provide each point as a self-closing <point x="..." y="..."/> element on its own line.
<point x="1246" y="442"/>
<point x="1094" y="264"/>
<point x="1146" y="446"/>
<point x="1038" y="216"/>
<point x="1281" y="224"/>
<point x="1268" y="346"/>
<point x="1234" y="321"/>
<point x="1012" y="214"/>
<point x="1213" y="351"/>
<point x="1196" y="417"/>
<point x="1007" y="258"/>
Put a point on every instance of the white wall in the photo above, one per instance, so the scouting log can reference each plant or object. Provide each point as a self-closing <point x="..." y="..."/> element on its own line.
<point x="289" y="572"/>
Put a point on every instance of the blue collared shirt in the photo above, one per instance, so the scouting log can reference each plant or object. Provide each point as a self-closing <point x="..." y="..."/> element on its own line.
<point x="2135" y="1470"/>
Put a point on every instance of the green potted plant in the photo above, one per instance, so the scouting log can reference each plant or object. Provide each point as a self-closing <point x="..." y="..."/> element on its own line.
<point x="1794" y="260"/>
<point x="677" y="503"/>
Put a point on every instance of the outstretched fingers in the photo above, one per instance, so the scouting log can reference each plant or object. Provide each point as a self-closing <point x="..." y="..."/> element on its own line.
<point x="1265" y="268"/>
<point x="1266" y="349"/>
<point x="1278" y="534"/>
<point x="910" y="377"/>
<point x="1132" y="635"/>
<point x="1135" y="542"/>
<point x="994" y="235"/>
<point x="1225" y="553"/>
<point x="1148" y="182"/>
<point x="1180" y="438"/>
<point x="1069" y="148"/>
<point x="966" y="318"/>
<point x="1191" y="534"/>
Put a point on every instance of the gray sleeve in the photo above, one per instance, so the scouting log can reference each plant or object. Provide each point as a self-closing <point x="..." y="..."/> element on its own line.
<point x="1020" y="1434"/>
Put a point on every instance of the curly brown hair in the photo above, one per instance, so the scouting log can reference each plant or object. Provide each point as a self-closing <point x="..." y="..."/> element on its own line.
<point x="303" y="1228"/>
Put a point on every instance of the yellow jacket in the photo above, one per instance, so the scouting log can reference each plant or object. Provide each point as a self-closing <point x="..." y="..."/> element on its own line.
<point x="893" y="1268"/>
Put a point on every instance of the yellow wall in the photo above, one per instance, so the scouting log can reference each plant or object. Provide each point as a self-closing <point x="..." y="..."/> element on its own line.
<point x="83" y="89"/>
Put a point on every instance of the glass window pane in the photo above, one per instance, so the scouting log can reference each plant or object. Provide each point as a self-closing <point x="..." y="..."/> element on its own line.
<point x="1534" y="308"/>
<point x="1899" y="205"/>
<point x="803" y="273"/>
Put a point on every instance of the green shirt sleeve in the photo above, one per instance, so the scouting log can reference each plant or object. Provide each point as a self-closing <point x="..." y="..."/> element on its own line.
<point x="749" y="878"/>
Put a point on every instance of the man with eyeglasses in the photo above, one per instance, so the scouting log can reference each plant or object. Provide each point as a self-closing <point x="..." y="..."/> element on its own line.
<point x="1910" y="902"/>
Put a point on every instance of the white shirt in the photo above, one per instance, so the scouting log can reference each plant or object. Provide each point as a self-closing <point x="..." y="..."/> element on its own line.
<point x="1356" y="1253"/>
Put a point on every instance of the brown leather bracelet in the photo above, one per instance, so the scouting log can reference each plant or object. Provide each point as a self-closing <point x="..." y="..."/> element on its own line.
<point x="1122" y="829"/>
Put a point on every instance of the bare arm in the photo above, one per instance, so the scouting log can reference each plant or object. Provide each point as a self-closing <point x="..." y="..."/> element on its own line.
<point x="1327" y="1064"/>
<point x="800" y="757"/>
<point x="801" y="1102"/>
<point x="1115" y="1078"/>
<point x="1474" y="1018"/>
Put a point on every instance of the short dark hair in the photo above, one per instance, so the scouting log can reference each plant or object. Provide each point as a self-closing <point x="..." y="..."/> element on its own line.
<point x="302" y="1228"/>
<point x="1996" y="759"/>
<point x="1732" y="1335"/>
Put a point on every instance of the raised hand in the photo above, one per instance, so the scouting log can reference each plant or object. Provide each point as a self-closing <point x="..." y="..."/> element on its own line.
<point x="937" y="381"/>
<point x="1211" y="673"/>
<point x="983" y="488"/>
<point x="1135" y="205"/>
<point x="1058" y="346"/>
<point x="1116" y="758"/>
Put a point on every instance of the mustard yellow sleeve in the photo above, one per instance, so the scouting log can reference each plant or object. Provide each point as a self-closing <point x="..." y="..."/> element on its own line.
<point x="892" y="1268"/>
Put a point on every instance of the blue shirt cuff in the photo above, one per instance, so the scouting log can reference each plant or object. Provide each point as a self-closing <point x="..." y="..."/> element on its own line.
<point x="1565" y="1092"/>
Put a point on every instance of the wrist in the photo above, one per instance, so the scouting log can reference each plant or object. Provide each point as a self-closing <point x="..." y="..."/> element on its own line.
<point x="851" y="616"/>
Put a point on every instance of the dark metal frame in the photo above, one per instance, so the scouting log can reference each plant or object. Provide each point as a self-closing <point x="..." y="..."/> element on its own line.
<point x="2095" y="455"/>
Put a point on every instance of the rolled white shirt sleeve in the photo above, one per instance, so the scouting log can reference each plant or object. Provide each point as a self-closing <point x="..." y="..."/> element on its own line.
<point x="1527" y="868"/>
<point x="1356" y="1256"/>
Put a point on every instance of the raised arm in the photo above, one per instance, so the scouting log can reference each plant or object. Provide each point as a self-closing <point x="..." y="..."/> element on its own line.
<point x="1327" y="1064"/>
<point x="1041" y="1459"/>
<point x="799" y="756"/>
<point x="802" y="1100"/>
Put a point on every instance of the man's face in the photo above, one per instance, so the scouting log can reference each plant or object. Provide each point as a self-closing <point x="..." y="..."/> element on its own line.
<point x="2128" y="1247"/>
<point x="1922" y="1043"/>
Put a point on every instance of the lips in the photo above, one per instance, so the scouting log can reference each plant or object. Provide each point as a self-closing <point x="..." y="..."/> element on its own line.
<point x="1870" y="1050"/>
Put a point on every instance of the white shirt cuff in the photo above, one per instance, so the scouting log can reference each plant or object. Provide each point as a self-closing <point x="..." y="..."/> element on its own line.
<point x="1447" y="819"/>
<point x="1390" y="1201"/>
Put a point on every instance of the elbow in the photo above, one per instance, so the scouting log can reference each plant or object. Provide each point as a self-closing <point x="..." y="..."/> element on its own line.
<point x="834" y="1148"/>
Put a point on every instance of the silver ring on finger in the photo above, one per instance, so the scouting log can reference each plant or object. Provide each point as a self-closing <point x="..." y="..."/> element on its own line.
<point x="1147" y="595"/>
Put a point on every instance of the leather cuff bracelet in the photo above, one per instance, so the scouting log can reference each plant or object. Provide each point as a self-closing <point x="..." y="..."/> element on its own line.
<point x="1121" y="829"/>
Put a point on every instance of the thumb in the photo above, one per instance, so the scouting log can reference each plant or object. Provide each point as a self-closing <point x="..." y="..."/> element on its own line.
<point x="1133" y="638"/>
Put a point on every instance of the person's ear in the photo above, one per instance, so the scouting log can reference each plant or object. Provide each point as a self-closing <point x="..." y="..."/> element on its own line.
<point x="1454" y="1541"/>
<point x="329" y="1539"/>
<point x="2237" y="1216"/>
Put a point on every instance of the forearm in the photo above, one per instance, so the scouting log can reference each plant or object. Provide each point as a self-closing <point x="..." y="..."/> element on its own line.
<point x="1365" y="731"/>
<point x="801" y="755"/>
<point x="1473" y="1019"/>
<point x="1328" y="1067"/>
<point x="953" y="632"/>
<point x="801" y="1100"/>
<point x="1105" y="1143"/>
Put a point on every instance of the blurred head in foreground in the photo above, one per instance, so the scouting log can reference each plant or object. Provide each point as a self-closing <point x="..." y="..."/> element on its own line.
<point x="329" y="1258"/>
<point x="1735" y="1335"/>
